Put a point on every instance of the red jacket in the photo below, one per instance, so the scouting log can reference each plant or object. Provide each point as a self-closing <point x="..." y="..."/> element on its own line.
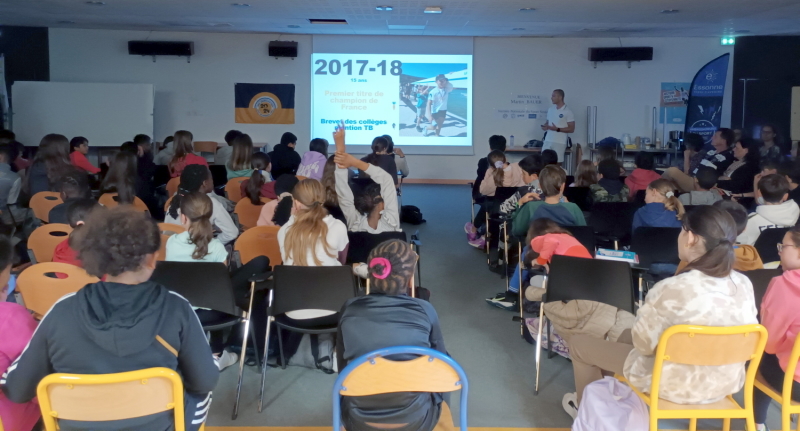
<point x="191" y="159"/>
<point x="79" y="160"/>
<point x="561" y="244"/>
<point x="779" y="315"/>
<point x="639" y="179"/>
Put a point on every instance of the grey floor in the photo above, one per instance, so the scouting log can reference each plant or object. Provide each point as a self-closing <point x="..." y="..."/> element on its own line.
<point x="483" y="339"/>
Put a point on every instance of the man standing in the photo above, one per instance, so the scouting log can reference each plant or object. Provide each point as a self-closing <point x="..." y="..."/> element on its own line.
<point x="560" y="121"/>
<point x="437" y="100"/>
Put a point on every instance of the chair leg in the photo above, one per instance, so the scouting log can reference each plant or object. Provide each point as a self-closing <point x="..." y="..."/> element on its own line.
<point x="280" y="347"/>
<point x="505" y="252"/>
<point x="255" y="347"/>
<point x="692" y="424"/>
<point x="538" y="347"/>
<point x="786" y="421"/>
<point x="264" y="364"/>
<point x="241" y="369"/>
<point x="726" y="424"/>
<point x="521" y="309"/>
<point x="550" y="353"/>
<point x="486" y="238"/>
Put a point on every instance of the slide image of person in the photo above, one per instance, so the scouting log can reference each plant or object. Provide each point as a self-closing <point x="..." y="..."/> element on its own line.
<point x="433" y="100"/>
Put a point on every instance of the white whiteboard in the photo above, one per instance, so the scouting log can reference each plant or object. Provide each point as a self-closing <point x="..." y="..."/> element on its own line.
<point x="106" y="114"/>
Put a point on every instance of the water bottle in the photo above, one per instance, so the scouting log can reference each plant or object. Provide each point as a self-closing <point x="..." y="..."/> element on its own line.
<point x="511" y="141"/>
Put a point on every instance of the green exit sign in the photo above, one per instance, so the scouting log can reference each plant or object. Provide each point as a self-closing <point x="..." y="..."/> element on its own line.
<point x="727" y="41"/>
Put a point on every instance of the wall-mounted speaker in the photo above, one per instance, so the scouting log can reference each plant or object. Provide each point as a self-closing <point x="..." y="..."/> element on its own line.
<point x="279" y="48"/>
<point x="637" y="53"/>
<point x="154" y="48"/>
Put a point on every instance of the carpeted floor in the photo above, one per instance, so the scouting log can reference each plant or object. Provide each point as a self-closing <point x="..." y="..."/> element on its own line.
<point x="483" y="339"/>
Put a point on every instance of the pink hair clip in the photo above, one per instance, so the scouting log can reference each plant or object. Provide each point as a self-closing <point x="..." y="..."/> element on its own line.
<point x="387" y="267"/>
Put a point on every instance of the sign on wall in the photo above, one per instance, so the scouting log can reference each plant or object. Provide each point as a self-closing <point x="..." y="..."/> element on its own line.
<point x="674" y="97"/>
<point x="264" y="103"/>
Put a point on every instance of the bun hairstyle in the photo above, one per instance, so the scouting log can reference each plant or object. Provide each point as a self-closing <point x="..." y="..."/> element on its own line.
<point x="197" y="208"/>
<point x="192" y="179"/>
<point x="368" y="198"/>
<point x="379" y="145"/>
<point x="718" y="230"/>
<point x="390" y="141"/>
<point x="329" y="182"/>
<point x="666" y="189"/>
<point x="497" y="173"/>
<point x="391" y="267"/>
<point x="242" y="153"/>
<point x="260" y="163"/>
<point x="308" y="229"/>
<point x="283" y="188"/>
<point x="319" y="145"/>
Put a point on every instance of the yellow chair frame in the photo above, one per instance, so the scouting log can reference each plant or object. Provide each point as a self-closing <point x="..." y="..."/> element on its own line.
<point x="706" y="345"/>
<point x="789" y="407"/>
<point x="108" y="397"/>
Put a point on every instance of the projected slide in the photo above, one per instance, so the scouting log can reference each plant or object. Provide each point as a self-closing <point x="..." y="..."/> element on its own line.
<point x="423" y="99"/>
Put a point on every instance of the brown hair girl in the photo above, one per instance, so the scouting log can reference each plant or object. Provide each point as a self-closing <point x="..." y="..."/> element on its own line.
<point x="497" y="158"/>
<point x="308" y="228"/>
<point x="196" y="207"/>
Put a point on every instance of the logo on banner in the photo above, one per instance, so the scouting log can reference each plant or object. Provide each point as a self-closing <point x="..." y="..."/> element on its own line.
<point x="264" y="103"/>
<point x="265" y="106"/>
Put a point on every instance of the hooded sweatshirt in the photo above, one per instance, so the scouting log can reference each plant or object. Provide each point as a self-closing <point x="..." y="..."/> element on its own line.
<point x="767" y="217"/>
<point x="285" y="160"/>
<point x="312" y="165"/>
<point x="609" y="190"/>
<point x="639" y="179"/>
<point x="112" y="328"/>
<point x="654" y="215"/>
<point x="747" y="259"/>
<point x="779" y="315"/>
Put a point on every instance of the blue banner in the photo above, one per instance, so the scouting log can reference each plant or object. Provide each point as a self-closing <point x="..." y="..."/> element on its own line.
<point x="704" y="109"/>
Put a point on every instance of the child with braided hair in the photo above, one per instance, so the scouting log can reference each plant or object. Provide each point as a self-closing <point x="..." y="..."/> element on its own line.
<point x="388" y="317"/>
<point x="197" y="178"/>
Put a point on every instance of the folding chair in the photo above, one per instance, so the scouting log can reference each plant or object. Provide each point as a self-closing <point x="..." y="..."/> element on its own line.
<point x="304" y="288"/>
<point x="39" y="291"/>
<point x="44" y="239"/>
<point x="167" y="230"/>
<point x="708" y="346"/>
<point x="572" y="278"/>
<point x="208" y="285"/>
<point x="172" y="186"/>
<point x="362" y="243"/>
<point x="258" y="241"/>
<point x="783" y="395"/>
<point x="233" y="189"/>
<point x="374" y="373"/>
<point x="580" y="196"/>
<point x="110" y="200"/>
<point x="761" y="279"/>
<point x="219" y="175"/>
<point x="493" y="215"/>
<point x="111" y="397"/>
<point x="654" y="245"/>
<point x="767" y="243"/>
<point x="612" y="221"/>
<point x="246" y="214"/>
<point x="41" y="203"/>
<point x="584" y="235"/>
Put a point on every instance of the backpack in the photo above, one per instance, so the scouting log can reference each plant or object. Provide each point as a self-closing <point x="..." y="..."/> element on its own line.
<point x="316" y="351"/>
<point x="411" y="215"/>
<point x="610" y="405"/>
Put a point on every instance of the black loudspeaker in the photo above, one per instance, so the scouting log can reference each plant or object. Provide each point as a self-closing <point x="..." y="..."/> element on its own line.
<point x="638" y="53"/>
<point x="279" y="48"/>
<point x="151" y="48"/>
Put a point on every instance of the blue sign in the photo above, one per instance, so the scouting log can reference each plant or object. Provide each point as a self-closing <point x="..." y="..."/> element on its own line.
<point x="704" y="110"/>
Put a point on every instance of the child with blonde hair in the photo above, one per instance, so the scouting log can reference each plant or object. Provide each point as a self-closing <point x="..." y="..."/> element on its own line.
<point x="662" y="207"/>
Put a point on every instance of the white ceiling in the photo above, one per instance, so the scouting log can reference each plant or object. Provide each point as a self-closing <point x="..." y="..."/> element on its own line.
<point x="565" y="18"/>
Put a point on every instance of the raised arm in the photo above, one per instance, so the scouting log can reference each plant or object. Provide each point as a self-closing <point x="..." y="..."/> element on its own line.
<point x="391" y="213"/>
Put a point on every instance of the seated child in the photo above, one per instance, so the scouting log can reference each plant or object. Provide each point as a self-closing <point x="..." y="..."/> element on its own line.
<point x="17" y="326"/>
<point x="586" y="174"/>
<point x="747" y="257"/>
<point x="704" y="181"/>
<point x="375" y="210"/>
<point x="775" y="209"/>
<point x="662" y="208"/>
<point x="125" y="323"/>
<point x="73" y="187"/>
<point x="500" y="174"/>
<point x="313" y="162"/>
<point x="77" y="213"/>
<point x="792" y="174"/>
<point x="198" y="178"/>
<point x="643" y="175"/>
<point x="609" y="188"/>
<point x="259" y="179"/>
<point x="388" y="317"/>
<point x="270" y="216"/>
<point x="496" y="142"/>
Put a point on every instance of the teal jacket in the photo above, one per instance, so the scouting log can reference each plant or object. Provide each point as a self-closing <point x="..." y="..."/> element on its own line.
<point x="563" y="213"/>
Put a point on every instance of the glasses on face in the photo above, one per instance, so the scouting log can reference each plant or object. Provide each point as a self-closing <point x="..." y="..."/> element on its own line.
<point x="781" y="246"/>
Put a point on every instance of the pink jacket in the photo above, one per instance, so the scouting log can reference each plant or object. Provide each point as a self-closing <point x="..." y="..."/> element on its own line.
<point x="779" y="315"/>
<point x="559" y="244"/>
<point x="17" y="327"/>
<point x="639" y="179"/>
<point x="267" y="212"/>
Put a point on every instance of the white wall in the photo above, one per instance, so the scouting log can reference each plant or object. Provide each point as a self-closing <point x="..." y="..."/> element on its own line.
<point x="198" y="96"/>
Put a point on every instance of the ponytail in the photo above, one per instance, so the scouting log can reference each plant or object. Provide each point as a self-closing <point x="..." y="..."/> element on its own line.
<point x="674" y="204"/>
<point x="666" y="188"/>
<point x="253" y="188"/>
<point x="198" y="208"/>
<point x="718" y="230"/>
<point x="497" y="158"/>
<point x="283" y="211"/>
<point x="498" y="175"/>
<point x="309" y="228"/>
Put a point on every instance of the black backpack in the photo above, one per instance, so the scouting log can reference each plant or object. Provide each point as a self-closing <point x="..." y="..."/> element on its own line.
<point x="411" y="215"/>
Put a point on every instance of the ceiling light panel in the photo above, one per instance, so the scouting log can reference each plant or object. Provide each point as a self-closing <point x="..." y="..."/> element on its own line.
<point x="433" y="9"/>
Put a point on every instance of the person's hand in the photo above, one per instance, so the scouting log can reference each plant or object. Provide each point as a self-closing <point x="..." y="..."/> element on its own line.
<point x="544" y="127"/>
<point x="528" y="197"/>
<point x="105" y="160"/>
<point x="344" y="160"/>
<point x="338" y="137"/>
<point x="399" y="152"/>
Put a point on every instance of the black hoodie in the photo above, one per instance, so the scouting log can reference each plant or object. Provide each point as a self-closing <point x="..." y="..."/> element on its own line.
<point x="112" y="328"/>
<point x="284" y="159"/>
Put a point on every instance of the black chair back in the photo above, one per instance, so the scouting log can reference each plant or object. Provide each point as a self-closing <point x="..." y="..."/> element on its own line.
<point x="656" y="245"/>
<point x="161" y="175"/>
<point x="361" y="243"/>
<point x="500" y="196"/>
<point x="638" y="199"/>
<point x="311" y="287"/>
<point x="767" y="243"/>
<point x="584" y="235"/>
<point x="580" y="196"/>
<point x="570" y="180"/>
<point x="761" y="279"/>
<point x="203" y="284"/>
<point x="219" y="175"/>
<point x="605" y="281"/>
<point x="612" y="219"/>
